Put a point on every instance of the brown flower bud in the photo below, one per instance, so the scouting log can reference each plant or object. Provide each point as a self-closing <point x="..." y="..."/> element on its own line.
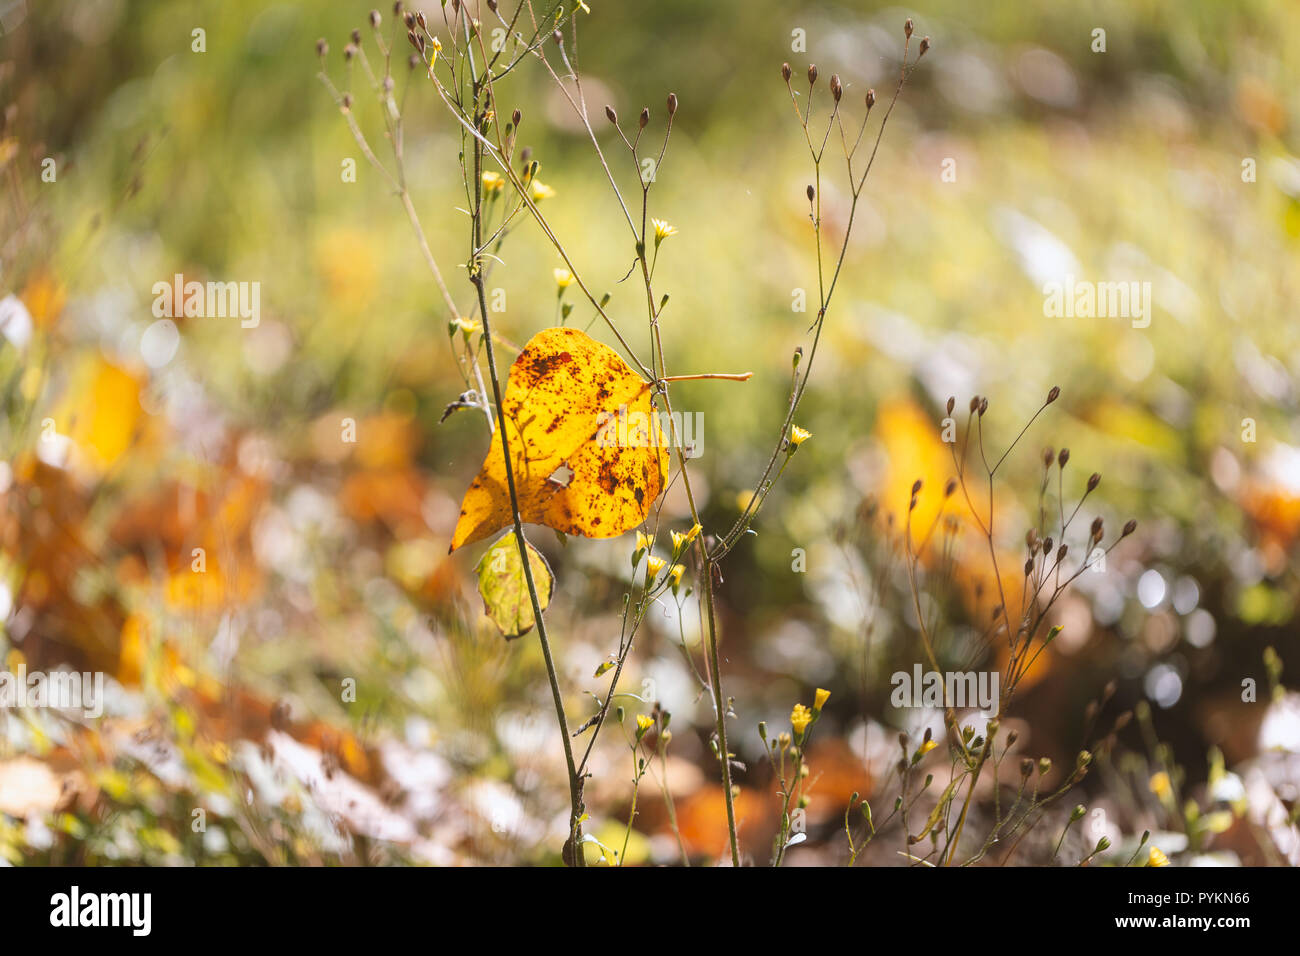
<point x="1054" y="394"/>
<point x="1061" y="553"/>
<point x="356" y="36"/>
<point x="952" y="403"/>
<point x="349" y="51"/>
<point x="925" y="45"/>
<point x="1096" y="528"/>
<point x="812" y="73"/>
<point x="974" y="404"/>
<point x="916" y="486"/>
<point x="672" y="103"/>
<point x="1129" y="527"/>
<point x="786" y="72"/>
<point x="645" y="117"/>
<point x="347" y="101"/>
<point x="1047" y="544"/>
<point x="611" y="115"/>
<point x="984" y="406"/>
<point x="322" y="47"/>
<point x="871" y="98"/>
<point x="374" y="18"/>
<point x="837" y="88"/>
<point x="907" y="27"/>
<point x="516" y="117"/>
<point x="811" y="193"/>
<point x="950" y="488"/>
<point x="1063" y="458"/>
<point x="1093" y="481"/>
<point x="409" y="19"/>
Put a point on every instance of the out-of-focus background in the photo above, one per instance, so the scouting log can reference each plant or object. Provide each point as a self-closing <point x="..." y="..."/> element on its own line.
<point x="326" y="688"/>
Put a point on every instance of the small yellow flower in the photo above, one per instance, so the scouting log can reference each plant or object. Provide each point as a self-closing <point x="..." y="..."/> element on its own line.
<point x="799" y="435"/>
<point x="655" y="564"/>
<point x="493" y="182"/>
<point x="663" y="230"/>
<point x="644" y="723"/>
<point x="563" y="278"/>
<point x="926" y="747"/>
<point x="539" y="191"/>
<point x="675" y="575"/>
<point x="643" y="541"/>
<point x="1157" y="858"/>
<point x="1160" y="784"/>
<point x="467" y="326"/>
<point x="800" y="718"/>
<point x="679" y="541"/>
<point x="819" y="701"/>
<point x="694" y="532"/>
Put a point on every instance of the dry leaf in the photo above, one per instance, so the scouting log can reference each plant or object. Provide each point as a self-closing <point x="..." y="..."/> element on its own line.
<point x="585" y="444"/>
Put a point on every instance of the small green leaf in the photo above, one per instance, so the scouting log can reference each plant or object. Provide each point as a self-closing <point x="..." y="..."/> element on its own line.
<point x="504" y="589"/>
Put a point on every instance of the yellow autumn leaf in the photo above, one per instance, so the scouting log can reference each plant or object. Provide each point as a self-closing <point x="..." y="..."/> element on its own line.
<point x="587" y="453"/>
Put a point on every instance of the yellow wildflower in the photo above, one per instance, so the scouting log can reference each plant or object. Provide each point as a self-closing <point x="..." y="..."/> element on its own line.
<point x="563" y="278"/>
<point x="799" y="435"/>
<point x="694" y="532"/>
<point x="800" y="718"/>
<point x="1160" y="784"/>
<point x="675" y="575"/>
<point x="655" y="565"/>
<point x="819" y="701"/>
<point x="493" y="182"/>
<point x="644" y="723"/>
<point x="1157" y="858"/>
<point x="663" y="230"/>
<point x="540" y="191"/>
<point x="643" y="541"/>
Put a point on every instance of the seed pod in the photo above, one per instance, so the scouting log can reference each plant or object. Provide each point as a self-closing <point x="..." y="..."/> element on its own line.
<point x="374" y="18"/>
<point x="645" y="117"/>
<point x="871" y="98"/>
<point x="952" y="403"/>
<point x="672" y="103"/>
<point x="322" y="47"/>
<point x="1063" y="458"/>
<point x="907" y="27"/>
<point x="1093" y="481"/>
<point x="356" y="36"/>
<point x="1054" y="394"/>
<point x="516" y="117"/>
<point x="1129" y="527"/>
<point x="837" y="88"/>
<point x="1096" y="528"/>
<point x="786" y="72"/>
<point x="916" y="486"/>
<point x="811" y="193"/>
<point x="611" y="115"/>
<point x="812" y="73"/>
<point x="925" y="45"/>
